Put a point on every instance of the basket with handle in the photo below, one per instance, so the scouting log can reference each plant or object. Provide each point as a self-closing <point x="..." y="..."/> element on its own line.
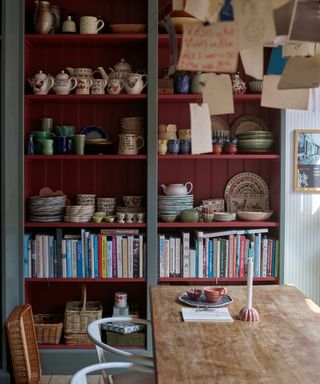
<point x="78" y="314"/>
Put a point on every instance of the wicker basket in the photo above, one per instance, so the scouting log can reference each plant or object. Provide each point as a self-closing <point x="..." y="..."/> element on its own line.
<point x="77" y="339"/>
<point x="23" y="345"/>
<point x="78" y="314"/>
<point x="48" y="328"/>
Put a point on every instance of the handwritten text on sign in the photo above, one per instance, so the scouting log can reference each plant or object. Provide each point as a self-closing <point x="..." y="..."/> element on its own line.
<point x="209" y="48"/>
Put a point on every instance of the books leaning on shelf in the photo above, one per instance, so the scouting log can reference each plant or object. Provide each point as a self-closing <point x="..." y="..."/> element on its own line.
<point x="206" y="315"/>
<point x="224" y="254"/>
<point x="111" y="254"/>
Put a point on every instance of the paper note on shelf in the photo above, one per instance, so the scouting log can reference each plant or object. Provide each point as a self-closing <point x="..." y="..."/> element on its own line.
<point x="304" y="25"/>
<point x="177" y="5"/>
<point x="206" y="315"/>
<point x="204" y="10"/>
<point x="255" y="22"/>
<point x="299" y="49"/>
<point x="218" y="94"/>
<point x="212" y="48"/>
<point x="201" y="135"/>
<point x="252" y="60"/>
<point x="272" y="97"/>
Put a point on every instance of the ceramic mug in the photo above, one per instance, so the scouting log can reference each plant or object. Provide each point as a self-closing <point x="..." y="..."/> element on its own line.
<point x="115" y="86"/>
<point x="63" y="145"/>
<point x="129" y="144"/>
<point x="98" y="86"/>
<point x="83" y="86"/>
<point x="185" y="147"/>
<point x="46" y="146"/>
<point x="121" y="299"/>
<point x="90" y="25"/>
<point x="173" y="147"/>
<point x="65" y="130"/>
<point x="162" y="146"/>
<point x="46" y="124"/>
<point x="79" y="144"/>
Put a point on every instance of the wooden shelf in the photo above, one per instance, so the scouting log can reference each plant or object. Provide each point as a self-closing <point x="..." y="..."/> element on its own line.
<point x="85" y="157"/>
<point x="62" y="224"/>
<point x="222" y="224"/>
<point x="85" y="280"/>
<point x="77" y="40"/>
<point x="243" y="156"/>
<point x="197" y="98"/>
<point x="85" y="98"/>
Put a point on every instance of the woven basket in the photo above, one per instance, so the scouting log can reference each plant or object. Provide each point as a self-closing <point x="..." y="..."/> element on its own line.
<point x="48" y="328"/>
<point x="77" y="339"/>
<point x="78" y="314"/>
<point x="23" y="345"/>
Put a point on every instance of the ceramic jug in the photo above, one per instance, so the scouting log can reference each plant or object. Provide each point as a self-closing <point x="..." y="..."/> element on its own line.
<point x="43" y="18"/>
<point x="80" y="72"/>
<point x="63" y="84"/>
<point x="198" y="82"/>
<point x="41" y="83"/>
<point x="134" y="83"/>
<point x="177" y="189"/>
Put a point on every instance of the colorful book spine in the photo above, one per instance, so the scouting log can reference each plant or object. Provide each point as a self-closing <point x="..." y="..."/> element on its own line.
<point x="186" y="254"/>
<point x="141" y="256"/>
<point x="136" y="257"/>
<point x="114" y="257"/>
<point x="108" y="251"/>
<point x="210" y="258"/>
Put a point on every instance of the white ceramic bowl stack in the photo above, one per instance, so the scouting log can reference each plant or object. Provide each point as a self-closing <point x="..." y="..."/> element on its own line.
<point x="78" y="213"/>
<point x="107" y="205"/>
<point x="173" y="205"/>
<point x="132" y="125"/>
<point x="46" y="208"/>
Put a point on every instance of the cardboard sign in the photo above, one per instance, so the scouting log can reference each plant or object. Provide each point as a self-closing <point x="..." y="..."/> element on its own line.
<point x="277" y="62"/>
<point x="218" y="94"/>
<point x="278" y="3"/>
<point x="212" y="48"/>
<point x="201" y="134"/>
<point x="252" y="60"/>
<point x="304" y="24"/>
<point x="177" y="5"/>
<point x="272" y="97"/>
<point x="301" y="72"/>
<point x="255" y="22"/>
<point x="299" y="49"/>
<point x="204" y="10"/>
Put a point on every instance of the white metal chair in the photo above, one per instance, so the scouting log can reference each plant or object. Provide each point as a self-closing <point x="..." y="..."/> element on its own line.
<point x="94" y="334"/>
<point x="80" y="377"/>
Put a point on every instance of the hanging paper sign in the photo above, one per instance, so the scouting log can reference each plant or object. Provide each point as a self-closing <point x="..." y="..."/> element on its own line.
<point x="201" y="134"/>
<point x="212" y="48"/>
<point x="177" y="5"/>
<point x="204" y="10"/>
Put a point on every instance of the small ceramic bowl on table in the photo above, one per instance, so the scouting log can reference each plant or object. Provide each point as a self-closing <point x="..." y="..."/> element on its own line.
<point x="194" y="293"/>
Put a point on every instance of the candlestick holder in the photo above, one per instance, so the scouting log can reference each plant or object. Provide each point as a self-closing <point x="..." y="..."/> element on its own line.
<point x="248" y="314"/>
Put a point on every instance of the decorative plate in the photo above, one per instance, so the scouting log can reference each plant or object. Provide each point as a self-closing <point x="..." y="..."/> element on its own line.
<point x="218" y="124"/>
<point x="249" y="202"/>
<point x="246" y="182"/>
<point x="203" y="303"/>
<point x="94" y="132"/>
<point x="247" y="123"/>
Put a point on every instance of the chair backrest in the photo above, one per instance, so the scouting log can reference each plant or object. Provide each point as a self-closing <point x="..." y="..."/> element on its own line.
<point x="80" y="376"/>
<point x="94" y="334"/>
<point x="23" y="345"/>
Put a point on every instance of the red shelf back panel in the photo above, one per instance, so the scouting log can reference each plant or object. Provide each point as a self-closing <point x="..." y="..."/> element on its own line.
<point x="114" y="179"/>
<point x="115" y="12"/>
<point x="51" y="297"/>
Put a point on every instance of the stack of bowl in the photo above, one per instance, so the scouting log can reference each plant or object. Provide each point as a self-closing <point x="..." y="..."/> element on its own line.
<point x="87" y="199"/>
<point x="78" y="213"/>
<point x="132" y="125"/>
<point x="255" y="141"/>
<point x="46" y="208"/>
<point x="173" y="205"/>
<point x="107" y="205"/>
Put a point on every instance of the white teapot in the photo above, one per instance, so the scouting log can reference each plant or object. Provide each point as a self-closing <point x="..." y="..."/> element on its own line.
<point x="121" y="70"/>
<point x="135" y="82"/>
<point x="177" y="189"/>
<point x="41" y="83"/>
<point x="63" y="84"/>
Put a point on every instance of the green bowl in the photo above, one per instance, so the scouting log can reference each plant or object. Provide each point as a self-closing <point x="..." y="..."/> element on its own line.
<point x="168" y="218"/>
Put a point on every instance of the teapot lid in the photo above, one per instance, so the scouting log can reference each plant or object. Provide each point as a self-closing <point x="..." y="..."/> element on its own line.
<point x="122" y="66"/>
<point x="62" y="75"/>
<point x="40" y="76"/>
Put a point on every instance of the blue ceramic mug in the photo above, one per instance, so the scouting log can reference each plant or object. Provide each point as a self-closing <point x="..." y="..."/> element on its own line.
<point x="185" y="147"/>
<point x="173" y="147"/>
<point x="181" y="84"/>
<point x="63" y="145"/>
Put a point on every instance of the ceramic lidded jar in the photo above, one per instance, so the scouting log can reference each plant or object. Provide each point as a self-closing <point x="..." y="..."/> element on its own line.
<point x="63" y="84"/>
<point x="238" y="85"/>
<point x="41" y="83"/>
<point x="177" y="189"/>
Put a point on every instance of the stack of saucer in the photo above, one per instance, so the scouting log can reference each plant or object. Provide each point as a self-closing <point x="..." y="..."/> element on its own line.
<point x="78" y="213"/>
<point x="173" y="205"/>
<point x="46" y="208"/>
<point x="132" y="125"/>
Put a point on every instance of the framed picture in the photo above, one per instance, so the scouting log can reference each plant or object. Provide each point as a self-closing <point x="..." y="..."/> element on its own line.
<point x="307" y="160"/>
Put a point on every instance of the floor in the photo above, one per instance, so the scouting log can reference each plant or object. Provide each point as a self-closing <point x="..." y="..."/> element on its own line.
<point x="92" y="379"/>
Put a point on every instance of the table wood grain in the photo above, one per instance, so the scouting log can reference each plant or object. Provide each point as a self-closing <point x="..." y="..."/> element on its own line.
<point x="282" y="348"/>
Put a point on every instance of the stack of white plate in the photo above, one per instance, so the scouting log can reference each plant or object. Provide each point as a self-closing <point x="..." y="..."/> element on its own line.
<point x="132" y="125"/>
<point x="78" y="213"/>
<point x="170" y="205"/>
<point x="46" y="208"/>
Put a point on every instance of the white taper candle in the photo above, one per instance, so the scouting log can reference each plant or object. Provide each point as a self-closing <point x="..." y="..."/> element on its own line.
<point x="249" y="283"/>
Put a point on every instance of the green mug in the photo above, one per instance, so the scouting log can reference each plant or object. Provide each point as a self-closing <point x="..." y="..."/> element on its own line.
<point x="41" y="135"/>
<point x="46" y="146"/>
<point x="65" y="130"/>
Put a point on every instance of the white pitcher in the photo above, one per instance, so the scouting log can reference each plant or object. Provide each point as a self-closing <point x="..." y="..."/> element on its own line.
<point x="135" y="82"/>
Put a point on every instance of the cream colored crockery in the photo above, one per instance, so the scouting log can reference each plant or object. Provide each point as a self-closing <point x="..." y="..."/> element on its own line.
<point x="135" y="82"/>
<point x="63" y="84"/>
<point x="177" y="189"/>
<point x="121" y="70"/>
<point x="41" y="83"/>
<point x="90" y="25"/>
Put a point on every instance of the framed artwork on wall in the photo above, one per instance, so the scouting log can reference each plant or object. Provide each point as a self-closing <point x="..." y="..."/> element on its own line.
<point x="307" y="160"/>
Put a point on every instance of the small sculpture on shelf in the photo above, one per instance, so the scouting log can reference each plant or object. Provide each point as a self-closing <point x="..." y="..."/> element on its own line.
<point x="238" y="85"/>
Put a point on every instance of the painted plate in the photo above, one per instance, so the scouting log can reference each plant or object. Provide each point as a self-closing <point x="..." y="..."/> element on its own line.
<point x="246" y="123"/>
<point x="94" y="132"/>
<point x="246" y="182"/>
<point x="203" y="303"/>
<point x="218" y="124"/>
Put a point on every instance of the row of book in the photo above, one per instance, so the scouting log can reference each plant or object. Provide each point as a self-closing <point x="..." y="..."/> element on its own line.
<point x="111" y="253"/>
<point x="218" y="254"/>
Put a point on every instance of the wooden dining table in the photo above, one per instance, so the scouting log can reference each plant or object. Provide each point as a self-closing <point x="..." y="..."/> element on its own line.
<point x="283" y="347"/>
